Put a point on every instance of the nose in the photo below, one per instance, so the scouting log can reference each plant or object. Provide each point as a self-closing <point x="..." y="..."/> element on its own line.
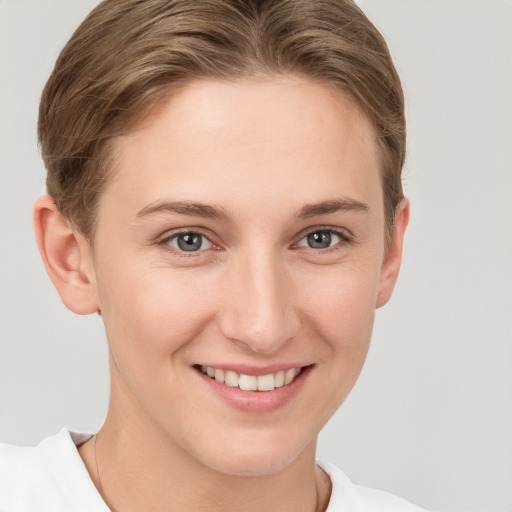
<point x="258" y="308"/>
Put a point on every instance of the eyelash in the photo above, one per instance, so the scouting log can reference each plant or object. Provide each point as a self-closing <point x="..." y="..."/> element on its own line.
<point x="166" y="243"/>
<point x="344" y="239"/>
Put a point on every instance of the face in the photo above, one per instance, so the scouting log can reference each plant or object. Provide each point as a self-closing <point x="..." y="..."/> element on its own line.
<point x="240" y="246"/>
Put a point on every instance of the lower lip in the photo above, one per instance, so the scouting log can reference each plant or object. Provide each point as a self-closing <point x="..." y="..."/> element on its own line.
<point x="256" y="401"/>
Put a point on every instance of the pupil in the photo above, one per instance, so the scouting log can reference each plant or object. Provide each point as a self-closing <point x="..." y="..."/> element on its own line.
<point x="319" y="240"/>
<point x="190" y="242"/>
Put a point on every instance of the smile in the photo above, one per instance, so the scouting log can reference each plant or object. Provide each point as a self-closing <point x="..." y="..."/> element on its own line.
<point x="252" y="382"/>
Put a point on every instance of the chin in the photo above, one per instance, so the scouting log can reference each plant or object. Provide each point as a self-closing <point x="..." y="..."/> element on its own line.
<point x="256" y="459"/>
<point x="249" y="465"/>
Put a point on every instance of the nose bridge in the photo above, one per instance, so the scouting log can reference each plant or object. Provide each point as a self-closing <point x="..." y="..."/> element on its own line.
<point x="259" y="310"/>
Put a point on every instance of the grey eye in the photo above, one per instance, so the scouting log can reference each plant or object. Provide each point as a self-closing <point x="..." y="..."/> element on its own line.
<point x="320" y="239"/>
<point x="189" y="242"/>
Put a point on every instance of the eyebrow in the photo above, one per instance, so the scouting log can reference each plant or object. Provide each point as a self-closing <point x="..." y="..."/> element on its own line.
<point x="185" y="208"/>
<point x="332" y="206"/>
<point x="213" y="212"/>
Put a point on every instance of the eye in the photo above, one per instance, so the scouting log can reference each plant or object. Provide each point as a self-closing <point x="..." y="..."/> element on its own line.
<point x="321" y="239"/>
<point x="189" y="242"/>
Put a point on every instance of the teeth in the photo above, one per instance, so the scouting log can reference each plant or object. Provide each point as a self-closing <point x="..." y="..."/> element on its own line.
<point x="232" y="379"/>
<point x="248" y="382"/>
<point x="251" y="382"/>
<point x="289" y="376"/>
<point x="266" y="383"/>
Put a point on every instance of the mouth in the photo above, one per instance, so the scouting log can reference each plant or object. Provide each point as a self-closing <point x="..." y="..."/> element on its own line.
<point x="263" y="383"/>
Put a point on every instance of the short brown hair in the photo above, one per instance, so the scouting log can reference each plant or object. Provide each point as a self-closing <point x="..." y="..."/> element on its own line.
<point x="128" y="54"/>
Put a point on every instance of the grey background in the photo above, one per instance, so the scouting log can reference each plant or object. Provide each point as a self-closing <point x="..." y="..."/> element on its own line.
<point x="431" y="416"/>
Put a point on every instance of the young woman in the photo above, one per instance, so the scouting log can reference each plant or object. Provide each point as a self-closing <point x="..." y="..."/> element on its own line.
<point x="224" y="190"/>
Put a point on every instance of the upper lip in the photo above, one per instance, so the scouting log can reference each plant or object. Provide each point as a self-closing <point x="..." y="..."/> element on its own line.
<point x="247" y="369"/>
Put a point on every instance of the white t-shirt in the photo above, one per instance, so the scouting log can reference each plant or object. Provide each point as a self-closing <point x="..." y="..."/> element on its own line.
<point x="52" y="477"/>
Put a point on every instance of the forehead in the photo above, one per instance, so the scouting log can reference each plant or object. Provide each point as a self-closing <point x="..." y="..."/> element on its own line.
<point x="216" y="138"/>
<point x="255" y="107"/>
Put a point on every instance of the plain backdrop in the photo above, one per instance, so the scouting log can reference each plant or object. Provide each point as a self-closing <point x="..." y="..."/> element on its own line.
<point x="431" y="416"/>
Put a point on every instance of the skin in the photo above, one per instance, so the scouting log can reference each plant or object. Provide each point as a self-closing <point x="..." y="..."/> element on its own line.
<point x="260" y="152"/>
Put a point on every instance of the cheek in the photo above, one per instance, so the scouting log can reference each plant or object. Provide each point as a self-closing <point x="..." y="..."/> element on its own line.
<point x="150" y="321"/>
<point x="154" y="313"/>
<point x="337" y="313"/>
<point x="341" y="304"/>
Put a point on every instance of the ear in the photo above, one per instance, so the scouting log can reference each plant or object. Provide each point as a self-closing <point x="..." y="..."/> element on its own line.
<point x="67" y="257"/>
<point x="393" y="257"/>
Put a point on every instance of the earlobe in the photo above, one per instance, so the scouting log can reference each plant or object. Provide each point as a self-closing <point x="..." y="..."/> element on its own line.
<point x="393" y="258"/>
<point x="66" y="256"/>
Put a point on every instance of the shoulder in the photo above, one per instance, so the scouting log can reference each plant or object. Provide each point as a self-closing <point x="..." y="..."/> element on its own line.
<point x="49" y="476"/>
<point x="348" y="497"/>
